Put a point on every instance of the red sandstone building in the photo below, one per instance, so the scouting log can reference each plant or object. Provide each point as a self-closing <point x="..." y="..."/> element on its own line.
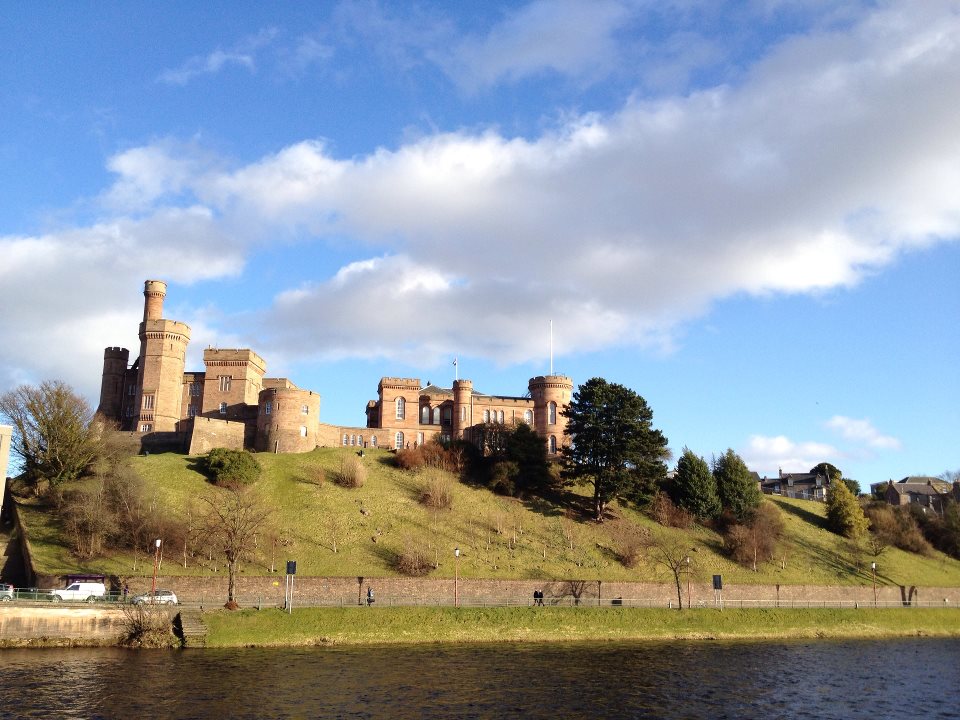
<point x="231" y="404"/>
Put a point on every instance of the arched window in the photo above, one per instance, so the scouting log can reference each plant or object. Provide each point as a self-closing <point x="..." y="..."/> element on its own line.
<point x="373" y="440"/>
<point x="398" y="441"/>
<point x="303" y="431"/>
<point x="360" y="440"/>
<point x="528" y="417"/>
<point x="436" y="416"/>
<point x="425" y="415"/>
<point x="486" y="416"/>
<point x="223" y="408"/>
<point x="552" y="445"/>
<point x="346" y="439"/>
<point x="463" y="413"/>
<point x="500" y="417"/>
<point x="353" y="439"/>
<point x="401" y="406"/>
<point x="552" y="413"/>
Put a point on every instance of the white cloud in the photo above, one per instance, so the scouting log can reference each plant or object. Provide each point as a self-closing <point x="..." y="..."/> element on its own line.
<point x="863" y="432"/>
<point x="768" y="454"/>
<point x="833" y="155"/>
<point x="241" y="55"/>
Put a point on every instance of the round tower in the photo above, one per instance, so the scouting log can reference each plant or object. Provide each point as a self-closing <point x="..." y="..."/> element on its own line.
<point x="154" y="291"/>
<point x="115" y="360"/>
<point x="550" y="394"/>
<point x="462" y="407"/>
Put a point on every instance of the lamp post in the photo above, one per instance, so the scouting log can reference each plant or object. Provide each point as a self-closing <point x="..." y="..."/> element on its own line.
<point x="156" y="561"/>
<point x="456" y="577"/>
<point x="688" y="581"/>
<point x="873" y="568"/>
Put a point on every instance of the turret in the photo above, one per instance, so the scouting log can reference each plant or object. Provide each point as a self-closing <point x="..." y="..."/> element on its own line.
<point x="115" y="361"/>
<point x="550" y="395"/>
<point x="154" y="291"/>
<point x="462" y="406"/>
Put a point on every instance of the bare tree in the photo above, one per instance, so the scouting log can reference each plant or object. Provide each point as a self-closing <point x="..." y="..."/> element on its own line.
<point x="235" y="516"/>
<point x="670" y="554"/>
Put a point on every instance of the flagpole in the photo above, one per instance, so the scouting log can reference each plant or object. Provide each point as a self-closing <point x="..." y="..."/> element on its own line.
<point x="551" y="347"/>
<point x="456" y="370"/>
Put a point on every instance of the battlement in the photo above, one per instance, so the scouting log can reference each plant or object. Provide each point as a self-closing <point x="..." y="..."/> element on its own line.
<point x="397" y="383"/>
<point x="116" y="353"/>
<point x="233" y="357"/>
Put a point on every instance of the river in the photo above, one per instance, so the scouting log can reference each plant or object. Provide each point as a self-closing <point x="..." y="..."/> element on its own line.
<point x="918" y="678"/>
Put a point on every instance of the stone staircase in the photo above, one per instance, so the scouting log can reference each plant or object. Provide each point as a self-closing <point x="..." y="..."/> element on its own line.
<point x="191" y="628"/>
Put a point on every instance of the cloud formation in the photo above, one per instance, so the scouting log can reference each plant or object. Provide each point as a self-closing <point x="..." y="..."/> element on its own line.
<point x="863" y="432"/>
<point x="833" y="154"/>
<point x="243" y="54"/>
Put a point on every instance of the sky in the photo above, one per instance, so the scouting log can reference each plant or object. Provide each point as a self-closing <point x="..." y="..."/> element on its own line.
<point x="747" y="212"/>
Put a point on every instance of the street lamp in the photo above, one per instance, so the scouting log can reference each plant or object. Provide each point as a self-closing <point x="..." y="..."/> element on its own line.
<point x="873" y="567"/>
<point x="456" y="578"/>
<point x="688" y="581"/>
<point x="156" y="561"/>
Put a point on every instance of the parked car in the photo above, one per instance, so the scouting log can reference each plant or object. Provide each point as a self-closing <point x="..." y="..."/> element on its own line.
<point x="6" y="592"/>
<point x="157" y="597"/>
<point x="88" y="591"/>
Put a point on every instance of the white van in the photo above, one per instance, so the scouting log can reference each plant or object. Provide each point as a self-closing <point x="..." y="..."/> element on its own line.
<point x="88" y="591"/>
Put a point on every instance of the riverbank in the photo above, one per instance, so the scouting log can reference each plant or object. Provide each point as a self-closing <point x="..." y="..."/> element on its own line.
<point x="393" y="626"/>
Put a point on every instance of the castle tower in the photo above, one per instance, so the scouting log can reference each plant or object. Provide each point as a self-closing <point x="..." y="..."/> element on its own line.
<point x="115" y="361"/>
<point x="550" y="394"/>
<point x="163" y="347"/>
<point x="232" y="384"/>
<point x="462" y="406"/>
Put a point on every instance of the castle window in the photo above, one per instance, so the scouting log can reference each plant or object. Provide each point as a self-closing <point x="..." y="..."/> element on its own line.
<point x="552" y="413"/>
<point x="552" y="445"/>
<point x="353" y="439"/>
<point x="500" y="417"/>
<point x="191" y="410"/>
<point x="223" y="408"/>
<point x="463" y="413"/>
<point x="194" y="389"/>
<point x="528" y="417"/>
<point x="131" y="390"/>
<point x="401" y="407"/>
<point x="304" y="410"/>
<point x="225" y="383"/>
<point x="398" y="441"/>
<point x="373" y="440"/>
<point x="486" y="416"/>
<point x="436" y="416"/>
<point x="148" y="402"/>
<point x="303" y="431"/>
<point x="447" y="414"/>
<point x="419" y="438"/>
<point x="360" y="440"/>
<point x="346" y="439"/>
<point x="425" y="415"/>
<point x="146" y="427"/>
<point x="267" y="407"/>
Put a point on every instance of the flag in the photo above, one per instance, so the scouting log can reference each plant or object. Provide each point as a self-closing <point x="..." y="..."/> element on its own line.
<point x="454" y="362"/>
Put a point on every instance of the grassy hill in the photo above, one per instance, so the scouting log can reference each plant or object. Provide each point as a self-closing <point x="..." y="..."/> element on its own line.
<point x="498" y="537"/>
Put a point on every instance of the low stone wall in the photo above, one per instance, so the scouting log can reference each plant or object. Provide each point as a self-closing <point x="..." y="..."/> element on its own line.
<point x="351" y="590"/>
<point x="91" y="625"/>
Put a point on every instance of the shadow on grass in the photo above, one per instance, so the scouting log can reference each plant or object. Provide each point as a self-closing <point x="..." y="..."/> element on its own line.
<point x="805" y="515"/>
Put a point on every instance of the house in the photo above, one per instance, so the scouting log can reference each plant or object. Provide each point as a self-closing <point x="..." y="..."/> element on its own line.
<point x="929" y="493"/>
<point x="804" y="486"/>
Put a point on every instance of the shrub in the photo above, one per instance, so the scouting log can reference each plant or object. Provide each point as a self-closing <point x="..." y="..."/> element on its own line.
<point x="663" y="511"/>
<point x="412" y="560"/>
<point x="437" y="492"/>
<point x="146" y="626"/>
<point x="231" y="467"/>
<point x="755" y="541"/>
<point x="352" y="473"/>
<point x="409" y="458"/>
<point x="629" y="542"/>
<point x="503" y="477"/>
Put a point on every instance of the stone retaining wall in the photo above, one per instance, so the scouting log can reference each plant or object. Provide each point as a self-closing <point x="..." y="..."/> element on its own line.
<point x="92" y="625"/>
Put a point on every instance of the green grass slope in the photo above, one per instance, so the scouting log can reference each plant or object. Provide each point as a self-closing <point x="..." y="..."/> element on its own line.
<point x="498" y="537"/>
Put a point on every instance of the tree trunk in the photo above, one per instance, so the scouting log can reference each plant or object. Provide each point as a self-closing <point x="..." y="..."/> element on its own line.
<point x="232" y="579"/>
<point x="676" y="578"/>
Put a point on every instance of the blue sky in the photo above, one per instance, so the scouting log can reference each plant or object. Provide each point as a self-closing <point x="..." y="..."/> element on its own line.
<point x="747" y="212"/>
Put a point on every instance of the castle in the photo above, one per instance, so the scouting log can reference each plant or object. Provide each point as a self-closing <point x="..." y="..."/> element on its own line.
<point x="231" y="404"/>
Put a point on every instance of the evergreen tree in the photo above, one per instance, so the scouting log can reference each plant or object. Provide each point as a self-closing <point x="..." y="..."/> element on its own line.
<point x="613" y="444"/>
<point x="844" y="514"/>
<point x="737" y="489"/>
<point x="695" y="488"/>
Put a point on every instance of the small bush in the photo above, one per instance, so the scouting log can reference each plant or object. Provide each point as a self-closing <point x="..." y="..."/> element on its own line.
<point x="503" y="477"/>
<point x="755" y="542"/>
<point x="437" y="492"/>
<point x="663" y="511"/>
<point x="147" y="626"/>
<point x="352" y="473"/>
<point x="410" y="458"/>
<point x="231" y="467"/>
<point x="412" y="561"/>
<point x="629" y="542"/>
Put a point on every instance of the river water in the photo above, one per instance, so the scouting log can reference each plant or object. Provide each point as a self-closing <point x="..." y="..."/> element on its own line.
<point x="802" y="679"/>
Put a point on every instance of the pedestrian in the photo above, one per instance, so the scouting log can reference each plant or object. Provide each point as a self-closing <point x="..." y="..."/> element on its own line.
<point x="540" y="598"/>
<point x="126" y="589"/>
<point x="369" y="596"/>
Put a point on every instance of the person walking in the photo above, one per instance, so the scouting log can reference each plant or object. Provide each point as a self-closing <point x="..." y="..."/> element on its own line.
<point x="369" y="596"/>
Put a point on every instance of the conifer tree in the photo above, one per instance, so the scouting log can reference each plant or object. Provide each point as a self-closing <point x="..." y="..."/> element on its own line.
<point x="695" y="488"/>
<point x="737" y="489"/>
<point x="844" y="514"/>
